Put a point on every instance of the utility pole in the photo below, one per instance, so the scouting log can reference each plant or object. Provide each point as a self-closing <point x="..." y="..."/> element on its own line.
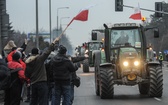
<point x="37" y="33"/>
<point x="0" y="35"/>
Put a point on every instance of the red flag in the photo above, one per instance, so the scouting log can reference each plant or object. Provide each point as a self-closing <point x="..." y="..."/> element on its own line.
<point x="82" y="16"/>
<point x="137" y="14"/>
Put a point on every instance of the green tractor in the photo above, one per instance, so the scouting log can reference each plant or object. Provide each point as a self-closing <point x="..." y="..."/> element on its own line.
<point x="127" y="60"/>
<point x="92" y="47"/>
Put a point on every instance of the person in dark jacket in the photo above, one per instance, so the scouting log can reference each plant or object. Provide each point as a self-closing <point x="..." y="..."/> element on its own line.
<point x="3" y="75"/>
<point x="75" y="60"/>
<point x="62" y="68"/>
<point x="36" y="71"/>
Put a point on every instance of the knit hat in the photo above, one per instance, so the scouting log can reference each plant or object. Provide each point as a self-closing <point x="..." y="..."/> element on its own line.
<point x="62" y="49"/>
<point x="16" y="56"/>
<point x="35" y="51"/>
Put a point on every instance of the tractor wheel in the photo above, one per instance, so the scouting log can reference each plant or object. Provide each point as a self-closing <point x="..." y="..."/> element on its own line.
<point x="106" y="83"/>
<point x="96" y="82"/>
<point x="156" y="81"/>
<point x="85" y="66"/>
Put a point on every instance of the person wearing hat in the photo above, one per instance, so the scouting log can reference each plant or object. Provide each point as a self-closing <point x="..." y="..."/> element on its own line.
<point x="13" y="94"/>
<point x="8" y="48"/>
<point x="36" y="71"/>
<point x="61" y="68"/>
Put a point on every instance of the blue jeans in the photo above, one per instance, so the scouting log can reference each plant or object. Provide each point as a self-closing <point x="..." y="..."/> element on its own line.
<point x="72" y="93"/>
<point x="53" y="96"/>
<point x="39" y="94"/>
<point x="62" y="91"/>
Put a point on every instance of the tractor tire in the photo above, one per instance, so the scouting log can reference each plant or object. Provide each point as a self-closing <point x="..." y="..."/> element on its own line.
<point x="97" y="82"/>
<point x="86" y="66"/>
<point x="156" y="81"/>
<point x="106" y="83"/>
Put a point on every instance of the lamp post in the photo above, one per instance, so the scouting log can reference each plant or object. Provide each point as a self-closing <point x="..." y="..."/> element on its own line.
<point x="37" y="33"/>
<point x="50" y="18"/>
<point x="57" y="15"/>
<point x="62" y="19"/>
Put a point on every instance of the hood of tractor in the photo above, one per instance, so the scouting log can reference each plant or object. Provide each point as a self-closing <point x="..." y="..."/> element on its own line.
<point x="129" y="63"/>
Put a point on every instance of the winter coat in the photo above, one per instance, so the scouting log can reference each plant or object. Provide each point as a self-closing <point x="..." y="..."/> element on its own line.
<point x="9" y="58"/>
<point x="38" y="73"/>
<point x="62" y="68"/>
<point x="14" y="65"/>
<point x="3" y="69"/>
<point x="76" y="60"/>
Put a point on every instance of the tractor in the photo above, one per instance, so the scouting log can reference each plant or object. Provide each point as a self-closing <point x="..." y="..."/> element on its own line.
<point x="127" y="60"/>
<point x="92" y="46"/>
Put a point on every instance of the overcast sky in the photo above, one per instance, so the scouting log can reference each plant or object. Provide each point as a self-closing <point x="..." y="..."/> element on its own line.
<point x="22" y="15"/>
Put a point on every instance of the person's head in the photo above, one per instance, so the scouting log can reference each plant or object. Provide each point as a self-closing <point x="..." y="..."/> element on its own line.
<point x="14" y="48"/>
<point x="62" y="49"/>
<point x="35" y="51"/>
<point x="16" y="56"/>
<point x="124" y="35"/>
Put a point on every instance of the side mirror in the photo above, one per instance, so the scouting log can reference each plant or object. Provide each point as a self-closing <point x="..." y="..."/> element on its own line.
<point x="156" y="33"/>
<point x="94" y="36"/>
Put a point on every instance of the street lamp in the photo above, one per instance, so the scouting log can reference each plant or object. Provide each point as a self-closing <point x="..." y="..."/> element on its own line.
<point x="57" y="14"/>
<point x="62" y="19"/>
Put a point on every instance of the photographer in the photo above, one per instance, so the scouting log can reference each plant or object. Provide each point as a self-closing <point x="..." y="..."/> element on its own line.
<point x="75" y="80"/>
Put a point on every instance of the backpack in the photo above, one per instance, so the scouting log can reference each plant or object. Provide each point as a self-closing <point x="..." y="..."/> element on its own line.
<point x="76" y="81"/>
<point x="6" y="82"/>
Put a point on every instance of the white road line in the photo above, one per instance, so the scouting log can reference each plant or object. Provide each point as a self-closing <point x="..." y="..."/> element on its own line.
<point x="158" y="99"/>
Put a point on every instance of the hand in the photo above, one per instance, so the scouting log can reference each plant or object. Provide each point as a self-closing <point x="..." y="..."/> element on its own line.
<point x="19" y="49"/>
<point x="56" y="40"/>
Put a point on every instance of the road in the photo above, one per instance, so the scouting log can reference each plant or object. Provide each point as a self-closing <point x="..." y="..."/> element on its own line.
<point x="123" y="95"/>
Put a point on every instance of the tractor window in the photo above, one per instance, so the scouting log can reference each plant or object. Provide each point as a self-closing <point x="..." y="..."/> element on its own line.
<point x="95" y="46"/>
<point x="125" y="37"/>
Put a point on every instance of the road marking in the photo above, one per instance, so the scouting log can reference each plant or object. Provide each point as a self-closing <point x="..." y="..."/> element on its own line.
<point x="158" y="99"/>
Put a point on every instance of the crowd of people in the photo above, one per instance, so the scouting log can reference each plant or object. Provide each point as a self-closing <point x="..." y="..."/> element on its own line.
<point x="49" y="75"/>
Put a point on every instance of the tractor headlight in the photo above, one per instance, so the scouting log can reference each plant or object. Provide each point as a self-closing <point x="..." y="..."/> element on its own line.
<point x="125" y="63"/>
<point x="136" y="63"/>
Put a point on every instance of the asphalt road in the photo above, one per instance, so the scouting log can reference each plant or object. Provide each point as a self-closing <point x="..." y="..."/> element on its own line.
<point x="123" y="95"/>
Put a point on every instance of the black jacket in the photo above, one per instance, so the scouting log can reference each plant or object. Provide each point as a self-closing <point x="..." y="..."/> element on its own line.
<point x="4" y="75"/>
<point x="62" y="68"/>
<point x="76" y="60"/>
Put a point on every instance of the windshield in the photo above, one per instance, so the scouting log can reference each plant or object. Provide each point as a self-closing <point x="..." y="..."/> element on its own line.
<point x="95" y="46"/>
<point x="129" y="37"/>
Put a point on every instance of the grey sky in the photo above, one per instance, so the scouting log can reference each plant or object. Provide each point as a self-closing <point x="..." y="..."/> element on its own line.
<point x="22" y="15"/>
